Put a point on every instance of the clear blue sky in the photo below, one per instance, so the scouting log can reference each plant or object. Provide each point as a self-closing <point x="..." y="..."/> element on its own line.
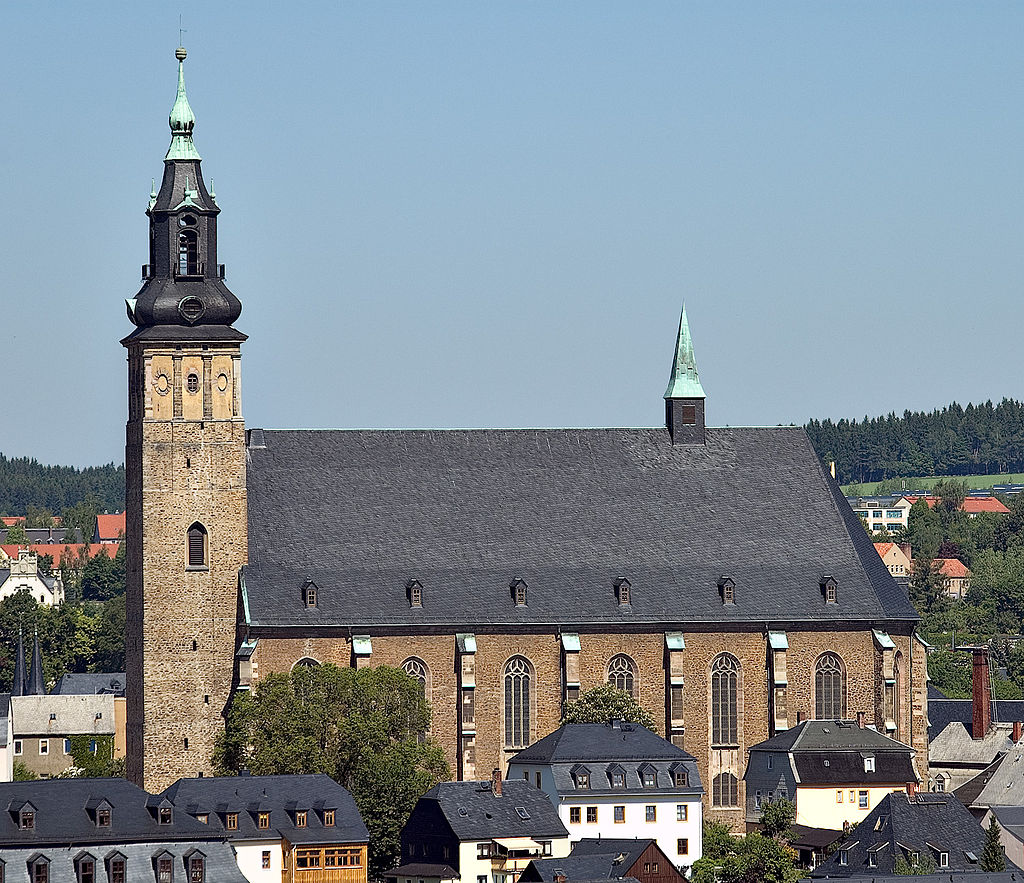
<point x="488" y="214"/>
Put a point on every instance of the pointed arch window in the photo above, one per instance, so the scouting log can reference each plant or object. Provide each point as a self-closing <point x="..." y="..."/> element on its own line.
<point x="518" y="684"/>
<point x="417" y="668"/>
<point x="622" y="674"/>
<point x="897" y="699"/>
<point x="188" y="253"/>
<point x="724" y="790"/>
<point x="725" y="674"/>
<point x="198" y="546"/>
<point x="829" y="688"/>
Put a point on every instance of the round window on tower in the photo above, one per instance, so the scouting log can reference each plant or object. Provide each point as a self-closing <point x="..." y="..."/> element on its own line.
<point x="192" y="383"/>
<point x="191" y="309"/>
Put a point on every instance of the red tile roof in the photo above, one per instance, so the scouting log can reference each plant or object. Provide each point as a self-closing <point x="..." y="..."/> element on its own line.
<point x="883" y="548"/>
<point x="952" y="568"/>
<point x="11" y="520"/>
<point x="110" y="527"/>
<point x="972" y="505"/>
<point x="58" y="550"/>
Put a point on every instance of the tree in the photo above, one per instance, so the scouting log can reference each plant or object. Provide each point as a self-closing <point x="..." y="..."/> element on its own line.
<point x="777" y="818"/>
<point x="93" y="758"/>
<point x="16" y="535"/>
<point x="925" y="864"/>
<point x="362" y="727"/>
<point x="37" y="516"/>
<point x="751" y="859"/>
<point x="951" y="493"/>
<point x="103" y="577"/>
<point x="602" y="704"/>
<point x="992" y="856"/>
<point x="109" y="637"/>
<point x="22" y="773"/>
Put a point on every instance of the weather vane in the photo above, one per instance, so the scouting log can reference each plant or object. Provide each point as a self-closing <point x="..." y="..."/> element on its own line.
<point x="181" y="31"/>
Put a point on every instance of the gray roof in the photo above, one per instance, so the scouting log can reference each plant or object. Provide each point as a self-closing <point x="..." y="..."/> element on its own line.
<point x="1010" y="818"/>
<point x="601" y="866"/>
<point x="63" y="715"/>
<point x="629" y="850"/>
<point x="954" y="746"/>
<point x="927" y="824"/>
<point x="466" y="512"/>
<point x="5" y="710"/>
<point x="942" y="712"/>
<point x="1001" y="784"/>
<point x="281" y="796"/>
<point x="474" y="812"/>
<point x="601" y="747"/>
<point x="424" y="869"/>
<point x="830" y="752"/>
<point x="90" y="682"/>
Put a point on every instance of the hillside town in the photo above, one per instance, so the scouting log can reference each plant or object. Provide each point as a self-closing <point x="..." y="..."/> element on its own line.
<point x="647" y="655"/>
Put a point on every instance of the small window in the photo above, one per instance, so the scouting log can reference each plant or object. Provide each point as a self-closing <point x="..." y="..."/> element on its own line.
<point x="103" y="818"/>
<point x="545" y="847"/>
<point x="192" y="383"/>
<point x="591" y="815"/>
<point x="862" y="800"/>
<point x="231" y="821"/>
<point x="519" y="588"/>
<point x="839" y="796"/>
<point x="203" y="817"/>
<point x="943" y="859"/>
<point x="41" y="871"/>
<point x="869" y="764"/>
<point x="650" y="813"/>
<point x="117" y="870"/>
<point x="844" y="856"/>
<point x="27" y="820"/>
<point x="67" y="746"/>
<point x="197" y="545"/>
<point x="583" y="780"/>
<point x="17" y="747"/>
<point x="649" y="778"/>
<point x="522" y="813"/>
<point x="618" y="779"/>
<point x="196" y="869"/>
<point x="165" y="815"/>
<point x="771" y="761"/>
<point x="537" y="774"/>
<point x="623" y="589"/>
<point x="263" y="820"/>
<point x="574" y="815"/>
<point x="619" y="814"/>
<point x="683" y="846"/>
<point x="86" y="871"/>
<point x="44" y="746"/>
<point x="300" y="818"/>
<point x="266" y="859"/>
<point x="483" y="850"/>
<point x="688" y="415"/>
<point x="681" y="778"/>
<point x="328" y="818"/>
<point x="682" y="812"/>
<point x="164" y="870"/>
<point x="872" y="860"/>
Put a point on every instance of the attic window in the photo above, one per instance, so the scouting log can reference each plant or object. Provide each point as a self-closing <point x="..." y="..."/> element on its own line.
<point x="522" y="813"/>
<point x="617" y="776"/>
<point x="231" y="821"/>
<point x="681" y="779"/>
<point x="518" y="588"/>
<point x="623" y="591"/>
<point x="727" y="589"/>
<point x="328" y="818"/>
<point x="300" y="818"/>
<point x="86" y="869"/>
<point x="648" y="777"/>
<point x="309" y="593"/>
<point x="165" y="815"/>
<point x="869" y="764"/>
<point x="164" y="869"/>
<point x="103" y="818"/>
<point x="196" y="869"/>
<point x="40" y="870"/>
<point x="263" y="820"/>
<point x="414" y="592"/>
<point x="830" y="589"/>
<point x="27" y="820"/>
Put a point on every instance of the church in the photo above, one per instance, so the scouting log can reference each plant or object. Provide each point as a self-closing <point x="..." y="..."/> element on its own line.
<point x="718" y="574"/>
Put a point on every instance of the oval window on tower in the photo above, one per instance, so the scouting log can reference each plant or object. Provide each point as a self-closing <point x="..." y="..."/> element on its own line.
<point x="191" y="309"/>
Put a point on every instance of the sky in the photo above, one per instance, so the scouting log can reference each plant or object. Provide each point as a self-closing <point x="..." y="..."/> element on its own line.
<point x="463" y="214"/>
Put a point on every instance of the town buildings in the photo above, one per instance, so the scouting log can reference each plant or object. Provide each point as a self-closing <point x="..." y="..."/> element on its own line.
<point x="619" y="780"/>
<point x="897" y="558"/>
<point x="44" y="725"/>
<point x="717" y="573"/>
<point x="956" y="577"/>
<point x="607" y="858"/>
<point x="22" y="574"/>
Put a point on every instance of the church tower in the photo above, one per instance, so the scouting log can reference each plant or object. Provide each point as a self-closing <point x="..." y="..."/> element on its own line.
<point x="185" y="462"/>
<point x="684" y="397"/>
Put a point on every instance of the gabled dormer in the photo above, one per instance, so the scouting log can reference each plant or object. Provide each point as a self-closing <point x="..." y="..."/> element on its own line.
<point x="85" y="867"/>
<point x="648" y="774"/>
<point x="518" y="588"/>
<point x="163" y="866"/>
<point x="829" y="589"/>
<point x="616" y="775"/>
<point x="414" y="593"/>
<point x="161" y="810"/>
<point x="680" y="774"/>
<point x="727" y="590"/>
<point x="23" y="814"/>
<point x="194" y="862"/>
<point x="623" y="592"/>
<point x="310" y="594"/>
<point x="580" y="777"/>
<point x="100" y="812"/>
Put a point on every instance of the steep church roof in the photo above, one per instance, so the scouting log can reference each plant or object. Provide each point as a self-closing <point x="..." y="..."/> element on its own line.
<point x="467" y="512"/>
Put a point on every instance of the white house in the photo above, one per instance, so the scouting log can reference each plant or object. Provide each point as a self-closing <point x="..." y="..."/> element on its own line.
<point x="22" y="574"/>
<point x="619" y="781"/>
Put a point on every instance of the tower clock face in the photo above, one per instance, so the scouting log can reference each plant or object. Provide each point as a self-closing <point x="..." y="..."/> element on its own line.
<point x="162" y="383"/>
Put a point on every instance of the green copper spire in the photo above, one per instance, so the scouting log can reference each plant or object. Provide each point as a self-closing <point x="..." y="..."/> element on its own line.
<point x="182" y="119"/>
<point x="684" y="382"/>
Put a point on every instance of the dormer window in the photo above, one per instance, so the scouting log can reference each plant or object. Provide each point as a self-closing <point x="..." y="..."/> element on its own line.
<point x="39" y="869"/>
<point x="164" y="869"/>
<point x="623" y="591"/>
<point x="616" y="776"/>
<point x="830" y="589"/>
<point x="414" y="592"/>
<point x="231" y="821"/>
<point x="27" y="819"/>
<point x="85" y="869"/>
<point x="165" y="815"/>
<point x="581" y="777"/>
<point x="328" y="818"/>
<point x="103" y="818"/>
<point x="263" y="820"/>
<point x="869" y="764"/>
<point x="116" y="868"/>
<point x="195" y="865"/>
<point x="727" y="589"/>
<point x="648" y="777"/>
<point x="309" y="592"/>
<point x="518" y="588"/>
<point x="300" y="818"/>
<point x="680" y="777"/>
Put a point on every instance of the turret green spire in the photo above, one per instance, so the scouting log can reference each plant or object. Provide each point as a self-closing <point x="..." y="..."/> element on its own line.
<point x="182" y="119"/>
<point x="684" y="382"/>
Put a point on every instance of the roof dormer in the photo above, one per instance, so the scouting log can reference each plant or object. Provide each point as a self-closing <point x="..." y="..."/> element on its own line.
<point x="310" y="591"/>
<point x="414" y="593"/>
<point x="518" y="589"/>
<point x="580" y="777"/>
<point x="623" y="591"/>
<point x="727" y="590"/>
<point x="648" y="774"/>
<point x="100" y="811"/>
<point x="829" y="589"/>
<point x="616" y="775"/>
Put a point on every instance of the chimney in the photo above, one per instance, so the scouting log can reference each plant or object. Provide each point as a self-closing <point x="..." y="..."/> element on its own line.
<point x="981" y="721"/>
<point x="911" y="789"/>
<point x="832" y="468"/>
<point x="799" y="717"/>
<point x="905" y="548"/>
<point x="560" y="876"/>
<point x="861" y="719"/>
<point x="496" y="783"/>
<point x="1016" y="732"/>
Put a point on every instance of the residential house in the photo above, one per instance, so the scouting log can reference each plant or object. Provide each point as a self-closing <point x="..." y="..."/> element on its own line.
<point x="835" y="772"/>
<point x="22" y="574"/>
<point x="887" y="512"/>
<point x="47" y="535"/>
<point x="109" y="528"/>
<point x="91" y="830"/>
<point x="283" y="829"/>
<point x="639" y="859"/>
<point x="64" y="555"/>
<point x="922" y="830"/>
<point x="75" y="683"/>
<point x="897" y="558"/>
<point x="44" y="725"/>
<point x="956" y="577"/>
<point x="1001" y="784"/>
<point x="486" y="832"/>
<point x="966" y="736"/>
<point x="619" y="780"/>
<point x="973" y="505"/>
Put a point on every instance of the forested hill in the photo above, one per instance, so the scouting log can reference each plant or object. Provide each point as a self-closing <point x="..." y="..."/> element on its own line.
<point x="25" y="482"/>
<point x="978" y="439"/>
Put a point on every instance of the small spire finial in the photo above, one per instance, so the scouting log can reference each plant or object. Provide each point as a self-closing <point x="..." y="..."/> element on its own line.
<point x="684" y="382"/>
<point x="180" y="53"/>
<point x="181" y="120"/>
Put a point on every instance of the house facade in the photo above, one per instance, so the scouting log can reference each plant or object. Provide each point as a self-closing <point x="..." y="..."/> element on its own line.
<point x="619" y="781"/>
<point x="22" y="574"/>
<point x="44" y="725"/>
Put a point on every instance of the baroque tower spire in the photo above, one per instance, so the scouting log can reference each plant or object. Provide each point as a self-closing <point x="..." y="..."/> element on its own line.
<point x="684" y="397"/>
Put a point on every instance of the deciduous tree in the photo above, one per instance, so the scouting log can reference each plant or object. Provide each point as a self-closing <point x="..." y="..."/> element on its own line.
<point x="602" y="704"/>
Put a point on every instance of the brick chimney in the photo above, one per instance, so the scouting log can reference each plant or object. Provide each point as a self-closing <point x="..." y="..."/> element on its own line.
<point x="496" y="783"/>
<point x="981" y="721"/>
<point x="799" y="717"/>
<point x="911" y="789"/>
<point x="861" y="719"/>
<point x="1016" y="731"/>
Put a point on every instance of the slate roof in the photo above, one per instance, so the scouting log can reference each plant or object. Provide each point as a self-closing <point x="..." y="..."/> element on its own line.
<point x="630" y="850"/>
<point x="75" y="714"/>
<point x="942" y="712"/>
<point x="424" y="869"/>
<point x="278" y="795"/>
<point x="954" y="746"/>
<point x="926" y="824"/>
<point x="475" y="813"/>
<point x="599" y="747"/>
<point x="1002" y="783"/>
<point x="89" y="682"/>
<point x="602" y="866"/>
<point x="465" y="512"/>
<point x="5" y="710"/>
<point x="1010" y="818"/>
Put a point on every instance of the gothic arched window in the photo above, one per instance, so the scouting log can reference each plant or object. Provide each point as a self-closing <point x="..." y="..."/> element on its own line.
<point x="198" y="546"/>
<point x="518" y="683"/>
<point x="897" y="699"/>
<point x="829" y="688"/>
<point x="622" y="674"/>
<point x="417" y="668"/>
<point x="725" y="675"/>
<point x="188" y="253"/>
<point x="306" y="662"/>
<point x="724" y="790"/>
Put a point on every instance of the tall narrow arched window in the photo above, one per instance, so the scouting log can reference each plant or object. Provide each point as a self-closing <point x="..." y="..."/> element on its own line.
<point x="518" y="683"/>
<point x="188" y="253"/>
<point x="725" y="675"/>
<point x="417" y="668"/>
<point x="724" y="790"/>
<point x="898" y="692"/>
<point x="622" y="673"/>
<point x="829" y="688"/>
<point x="198" y="546"/>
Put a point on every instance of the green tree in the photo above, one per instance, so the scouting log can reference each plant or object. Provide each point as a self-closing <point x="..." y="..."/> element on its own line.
<point x="16" y="535"/>
<point x="22" y="773"/>
<point x="108" y="655"/>
<point x="93" y="758"/>
<point x="38" y="516"/>
<point x="951" y="493"/>
<point x="951" y="673"/>
<point x="777" y="818"/>
<point x="364" y="728"/>
<point x="925" y="864"/>
<point x="751" y="859"/>
<point x="992" y="856"/>
<point x="103" y="577"/>
<point x="605" y="703"/>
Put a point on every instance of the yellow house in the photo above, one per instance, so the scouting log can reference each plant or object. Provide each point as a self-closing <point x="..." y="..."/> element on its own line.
<point x="896" y="557"/>
<point x="835" y="772"/>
